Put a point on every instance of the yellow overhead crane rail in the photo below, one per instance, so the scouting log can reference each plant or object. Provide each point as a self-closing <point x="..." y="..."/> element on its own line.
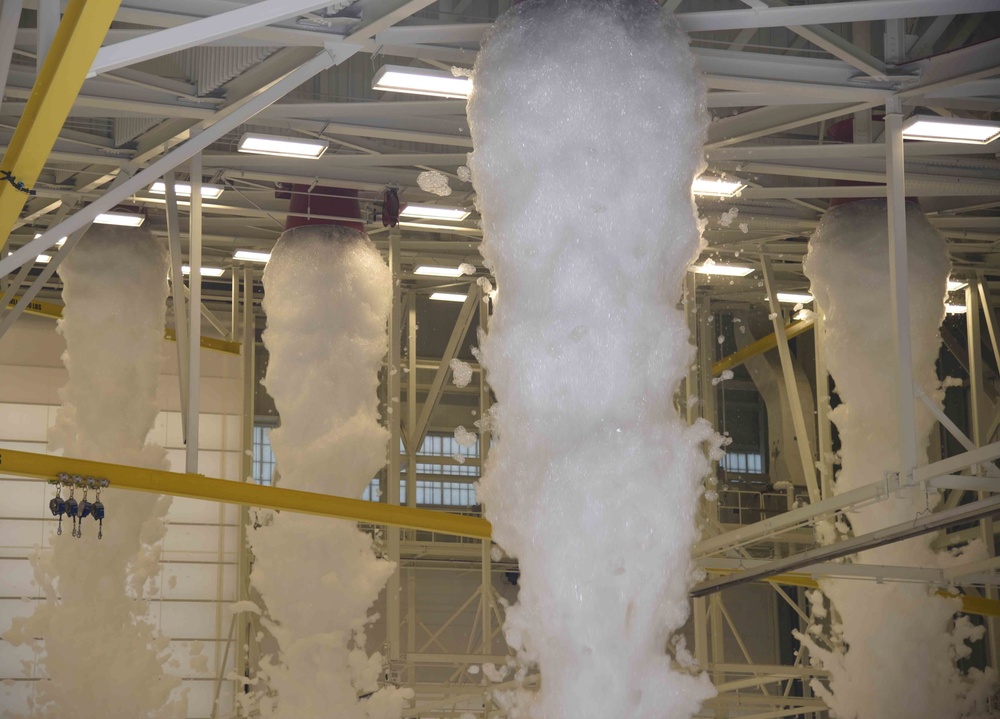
<point x="82" y="30"/>
<point x="54" y="311"/>
<point x="760" y="347"/>
<point x="198" y="486"/>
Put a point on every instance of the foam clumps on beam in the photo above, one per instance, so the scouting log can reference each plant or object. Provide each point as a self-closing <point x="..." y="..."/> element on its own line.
<point x="101" y="649"/>
<point x="327" y="301"/>
<point x="890" y="648"/>
<point x="588" y="120"/>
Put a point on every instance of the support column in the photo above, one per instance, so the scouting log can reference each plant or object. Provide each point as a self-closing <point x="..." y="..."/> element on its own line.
<point x="178" y="294"/>
<point x="411" y="477"/>
<point x="393" y="412"/>
<point x="249" y="370"/>
<point x="824" y="430"/>
<point x="486" y="595"/>
<point x="978" y="419"/>
<point x="194" y="318"/>
<point x="899" y="287"/>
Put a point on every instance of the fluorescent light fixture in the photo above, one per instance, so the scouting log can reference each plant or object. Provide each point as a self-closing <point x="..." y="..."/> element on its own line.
<point x="123" y="219"/>
<point x="954" y="285"/>
<point x="709" y="267"/>
<point x="61" y="241"/>
<point x="420" y="81"/>
<point x="183" y="189"/>
<point x="432" y="212"/>
<point x="448" y="297"/>
<point x="794" y="298"/>
<point x="955" y="309"/>
<point x="716" y="187"/>
<point x="438" y="271"/>
<point x="205" y="271"/>
<point x="251" y="256"/>
<point x="44" y="259"/>
<point x="431" y="226"/>
<point x="257" y="144"/>
<point x="951" y="129"/>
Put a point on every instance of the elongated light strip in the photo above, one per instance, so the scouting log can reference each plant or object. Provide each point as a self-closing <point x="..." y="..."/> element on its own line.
<point x="448" y="297"/>
<point x="420" y="81"/>
<point x="794" y="298"/>
<point x="252" y="256"/>
<point x="122" y="219"/>
<point x="258" y="144"/>
<point x="709" y="267"/>
<point x="950" y="129"/>
<point x="954" y="285"/>
<point x="205" y="271"/>
<point x="432" y="212"/>
<point x="716" y="187"/>
<point x="438" y="271"/>
<point x="430" y="227"/>
<point x="183" y="189"/>
<point x="955" y="309"/>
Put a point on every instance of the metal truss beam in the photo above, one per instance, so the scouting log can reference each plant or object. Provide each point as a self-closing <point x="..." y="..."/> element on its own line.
<point x="889" y="535"/>
<point x="197" y="486"/>
<point x="227" y="120"/>
<point x="73" y="49"/>
<point x="199" y="32"/>
<point x="826" y="13"/>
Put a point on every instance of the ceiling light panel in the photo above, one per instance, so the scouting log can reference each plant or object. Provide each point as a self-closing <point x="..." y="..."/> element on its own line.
<point x="251" y="256"/>
<point x="122" y="219"/>
<point x="448" y="297"/>
<point x="258" y="144"/>
<point x="420" y="81"/>
<point x="433" y="212"/>
<point x="716" y="187"/>
<point x="710" y="267"/>
<point x="950" y="129"/>
<point x="183" y="189"/>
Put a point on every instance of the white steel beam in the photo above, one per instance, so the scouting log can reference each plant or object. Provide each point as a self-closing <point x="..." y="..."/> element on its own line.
<point x="178" y="293"/>
<point x="47" y="22"/>
<point x="393" y="413"/>
<point x="194" y="320"/>
<point x="826" y="13"/>
<point x="10" y="16"/>
<point x="378" y="15"/>
<point x="899" y="289"/>
<point x="199" y="32"/>
<point x="881" y="537"/>
<point x="791" y="386"/>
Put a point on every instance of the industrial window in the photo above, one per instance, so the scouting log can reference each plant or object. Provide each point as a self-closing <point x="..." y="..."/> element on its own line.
<point x="743" y="462"/>
<point x="263" y="457"/>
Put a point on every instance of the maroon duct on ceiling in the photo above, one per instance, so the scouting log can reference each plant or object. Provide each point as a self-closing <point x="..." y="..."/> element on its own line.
<point x="327" y="202"/>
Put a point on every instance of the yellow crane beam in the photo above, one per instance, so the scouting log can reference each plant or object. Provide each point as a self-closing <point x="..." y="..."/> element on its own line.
<point x="759" y="347"/>
<point x="198" y="486"/>
<point x="54" y="311"/>
<point x="78" y="38"/>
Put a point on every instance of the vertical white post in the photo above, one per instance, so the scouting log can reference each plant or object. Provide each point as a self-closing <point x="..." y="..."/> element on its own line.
<point x="691" y="383"/>
<point x="177" y="292"/>
<point x="394" y="411"/>
<point x="791" y="385"/>
<point x="247" y="349"/>
<point x="194" y="345"/>
<point x="978" y="417"/>
<point x="411" y="476"/>
<point x="824" y="431"/>
<point x="234" y="314"/>
<point x="47" y="24"/>
<point x="899" y="286"/>
<point x="486" y="596"/>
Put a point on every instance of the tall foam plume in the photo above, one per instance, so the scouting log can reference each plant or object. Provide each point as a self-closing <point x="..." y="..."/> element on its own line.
<point x="588" y="120"/>
<point x="327" y="295"/>
<point x="99" y="648"/>
<point x="890" y="648"/>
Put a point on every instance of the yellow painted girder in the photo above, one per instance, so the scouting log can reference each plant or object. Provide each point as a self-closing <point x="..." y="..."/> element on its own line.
<point x="78" y="38"/>
<point x="759" y="347"/>
<point x="197" y="486"/>
<point x="54" y="311"/>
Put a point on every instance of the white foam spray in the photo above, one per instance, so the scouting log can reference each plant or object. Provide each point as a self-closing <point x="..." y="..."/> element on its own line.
<point x="327" y="301"/>
<point x="100" y="649"/>
<point x="893" y="647"/>
<point x="581" y="111"/>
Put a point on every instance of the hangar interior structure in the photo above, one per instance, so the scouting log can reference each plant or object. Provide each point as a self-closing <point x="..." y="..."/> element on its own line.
<point x="801" y="95"/>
